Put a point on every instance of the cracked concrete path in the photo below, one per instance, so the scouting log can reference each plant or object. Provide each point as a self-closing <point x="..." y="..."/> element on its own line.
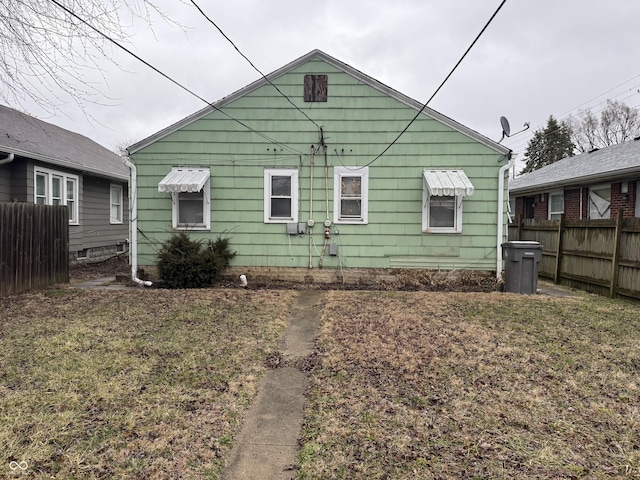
<point x="267" y="446"/>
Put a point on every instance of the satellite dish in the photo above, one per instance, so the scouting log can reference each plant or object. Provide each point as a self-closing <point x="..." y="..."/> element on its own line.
<point x="506" y="129"/>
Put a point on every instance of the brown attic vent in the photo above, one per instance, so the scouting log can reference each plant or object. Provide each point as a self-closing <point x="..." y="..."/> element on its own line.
<point x="316" y="88"/>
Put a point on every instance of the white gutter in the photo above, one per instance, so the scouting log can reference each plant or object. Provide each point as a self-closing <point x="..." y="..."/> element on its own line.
<point x="133" y="223"/>
<point x="500" y="233"/>
<point x="8" y="159"/>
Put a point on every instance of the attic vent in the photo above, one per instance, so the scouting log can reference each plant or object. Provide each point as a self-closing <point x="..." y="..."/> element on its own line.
<point x="315" y="88"/>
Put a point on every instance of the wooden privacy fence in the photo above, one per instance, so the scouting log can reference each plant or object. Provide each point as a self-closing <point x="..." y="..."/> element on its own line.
<point x="601" y="256"/>
<point x="34" y="246"/>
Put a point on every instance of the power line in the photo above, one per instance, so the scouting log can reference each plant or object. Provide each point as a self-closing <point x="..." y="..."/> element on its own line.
<point x="191" y="92"/>
<point x="441" y="85"/>
<point x="251" y="63"/>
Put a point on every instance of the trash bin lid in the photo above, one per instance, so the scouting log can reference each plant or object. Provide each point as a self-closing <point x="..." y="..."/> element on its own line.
<point x="521" y="244"/>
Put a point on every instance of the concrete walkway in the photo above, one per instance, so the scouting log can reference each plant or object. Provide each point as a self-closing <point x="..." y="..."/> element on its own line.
<point x="267" y="446"/>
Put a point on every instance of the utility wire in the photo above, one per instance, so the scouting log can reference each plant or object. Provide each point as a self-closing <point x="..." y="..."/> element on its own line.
<point x="251" y="63"/>
<point x="105" y="36"/>
<point x="441" y="85"/>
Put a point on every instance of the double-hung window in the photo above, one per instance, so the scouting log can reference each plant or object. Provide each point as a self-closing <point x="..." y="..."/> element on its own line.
<point x="280" y="195"/>
<point x="190" y="197"/>
<point x="442" y="194"/>
<point x="556" y="205"/>
<point x="350" y="194"/>
<point x="57" y="188"/>
<point x="116" y="204"/>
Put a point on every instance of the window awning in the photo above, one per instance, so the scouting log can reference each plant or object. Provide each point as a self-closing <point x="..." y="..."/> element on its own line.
<point x="448" y="183"/>
<point x="184" y="180"/>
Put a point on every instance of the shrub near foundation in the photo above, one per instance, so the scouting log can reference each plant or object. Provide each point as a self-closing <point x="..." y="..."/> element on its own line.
<point x="187" y="263"/>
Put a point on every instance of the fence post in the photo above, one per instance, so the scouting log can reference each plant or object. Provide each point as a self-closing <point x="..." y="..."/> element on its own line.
<point x="519" y="234"/>
<point x="556" y="275"/>
<point x="615" y="258"/>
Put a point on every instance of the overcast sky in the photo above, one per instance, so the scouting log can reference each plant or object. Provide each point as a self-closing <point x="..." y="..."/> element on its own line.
<point x="538" y="57"/>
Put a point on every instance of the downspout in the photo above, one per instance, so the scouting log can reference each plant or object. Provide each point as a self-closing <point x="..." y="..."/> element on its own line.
<point x="133" y="223"/>
<point x="503" y="169"/>
<point x="310" y="221"/>
<point x="8" y="159"/>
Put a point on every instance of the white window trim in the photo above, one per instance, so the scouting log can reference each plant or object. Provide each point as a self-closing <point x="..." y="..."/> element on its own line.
<point x="49" y="174"/>
<point x="280" y="172"/>
<point x="550" y="211"/>
<point x="119" y="219"/>
<point x="338" y="174"/>
<point x="206" y="210"/>
<point x="426" y="206"/>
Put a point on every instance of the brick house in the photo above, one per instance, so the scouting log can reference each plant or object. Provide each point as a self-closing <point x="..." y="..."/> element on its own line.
<point x="593" y="185"/>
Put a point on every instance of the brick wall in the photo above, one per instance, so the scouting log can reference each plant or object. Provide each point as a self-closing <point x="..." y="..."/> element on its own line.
<point x="625" y="200"/>
<point x="541" y="210"/>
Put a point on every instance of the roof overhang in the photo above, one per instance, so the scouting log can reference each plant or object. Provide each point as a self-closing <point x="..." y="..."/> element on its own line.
<point x="447" y="183"/>
<point x="63" y="163"/>
<point x="189" y="180"/>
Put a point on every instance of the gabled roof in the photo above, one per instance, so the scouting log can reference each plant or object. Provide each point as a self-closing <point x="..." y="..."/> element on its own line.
<point x="609" y="163"/>
<point x="319" y="55"/>
<point x="27" y="136"/>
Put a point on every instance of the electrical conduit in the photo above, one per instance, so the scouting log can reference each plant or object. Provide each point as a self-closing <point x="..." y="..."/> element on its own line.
<point x="501" y="189"/>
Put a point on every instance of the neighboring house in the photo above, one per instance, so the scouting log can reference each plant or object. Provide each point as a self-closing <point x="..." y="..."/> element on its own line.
<point x="591" y="185"/>
<point x="303" y="193"/>
<point x="46" y="164"/>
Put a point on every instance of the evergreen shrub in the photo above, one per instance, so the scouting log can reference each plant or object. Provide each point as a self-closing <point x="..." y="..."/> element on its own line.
<point x="187" y="263"/>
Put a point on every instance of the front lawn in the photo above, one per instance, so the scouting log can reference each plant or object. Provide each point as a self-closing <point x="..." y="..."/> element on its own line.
<point x="478" y="386"/>
<point x="136" y="384"/>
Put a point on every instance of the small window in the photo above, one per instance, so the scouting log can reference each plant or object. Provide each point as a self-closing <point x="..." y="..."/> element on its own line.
<point x="57" y="188"/>
<point x="116" y="203"/>
<point x="556" y="205"/>
<point x="600" y="202"/>
<point x="442" y="194"/>
<point x="350" y="194"/>
<point x="190" y="197"/>
<point x="280" y="195"/>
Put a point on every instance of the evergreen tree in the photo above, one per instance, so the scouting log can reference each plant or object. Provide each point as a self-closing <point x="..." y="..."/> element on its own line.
<point x="548" y="145"/>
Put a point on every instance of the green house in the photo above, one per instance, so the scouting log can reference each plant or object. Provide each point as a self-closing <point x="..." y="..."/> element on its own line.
<point x="306" y="172"/>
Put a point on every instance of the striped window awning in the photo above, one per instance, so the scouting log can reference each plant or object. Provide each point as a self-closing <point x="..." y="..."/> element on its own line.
<point x="447" y="183"/>
<point x="184" y="180"/>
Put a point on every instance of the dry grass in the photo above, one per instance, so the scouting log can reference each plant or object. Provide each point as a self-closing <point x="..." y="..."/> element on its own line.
<point x="136" y="384"/>
<point x="492" y="386"/>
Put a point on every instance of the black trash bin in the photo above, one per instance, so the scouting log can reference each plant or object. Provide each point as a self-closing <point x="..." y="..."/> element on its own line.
<point x="521" y="266"/>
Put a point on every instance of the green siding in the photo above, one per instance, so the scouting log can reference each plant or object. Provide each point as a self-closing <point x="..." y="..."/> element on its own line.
<point x="358" y="122"/>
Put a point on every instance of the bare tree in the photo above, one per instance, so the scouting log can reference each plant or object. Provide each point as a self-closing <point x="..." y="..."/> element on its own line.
<point x="46" y="46"/>
<point x="617" y="123"/>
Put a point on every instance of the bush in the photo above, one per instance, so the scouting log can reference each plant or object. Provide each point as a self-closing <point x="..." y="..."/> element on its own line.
<point x="187" y="263"/>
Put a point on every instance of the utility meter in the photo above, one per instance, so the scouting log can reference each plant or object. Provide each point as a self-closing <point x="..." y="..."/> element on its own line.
<point x="310" y="222"/>
<point x="327" y="223"/>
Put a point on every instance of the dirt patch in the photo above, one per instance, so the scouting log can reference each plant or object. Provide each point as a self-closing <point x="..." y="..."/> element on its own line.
<point x="81" y="272"/>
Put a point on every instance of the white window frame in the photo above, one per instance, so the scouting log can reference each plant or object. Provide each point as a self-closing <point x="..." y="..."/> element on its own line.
<point x="426" y="208"/>
<point x="118" y="205"/>
<point x="269" y="173"/>
<point x="555" y="214"/>
<point x="68" y="196"/>
<point x="354" y="172"/>
<point x="206" y="209"/>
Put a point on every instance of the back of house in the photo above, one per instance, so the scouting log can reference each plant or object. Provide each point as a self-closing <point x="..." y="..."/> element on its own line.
<point x="306" y="172"/>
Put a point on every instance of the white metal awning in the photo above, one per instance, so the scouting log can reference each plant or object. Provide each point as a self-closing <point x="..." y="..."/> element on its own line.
<point x="448" y="183"/>
<point x="184" y="180"/>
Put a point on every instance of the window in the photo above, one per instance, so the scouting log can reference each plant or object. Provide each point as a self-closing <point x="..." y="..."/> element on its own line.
<point x="116" y="203"/>
<point x="56" y="188"/>
<point x="600" y="202"/>
<point x="280" y="195"/>
<point x="190" y="197"/>
<point x="350" y="194"/>
<point x="556" y="205"/>
<point x="442" y="195"/>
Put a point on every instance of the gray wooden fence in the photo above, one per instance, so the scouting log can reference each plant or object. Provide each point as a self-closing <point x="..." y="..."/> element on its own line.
<point x="34" y="246"/>
<point x="600" y="256"/>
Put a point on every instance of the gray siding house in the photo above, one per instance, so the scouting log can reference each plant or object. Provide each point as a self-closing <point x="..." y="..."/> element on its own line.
<point x="45" y="164"/>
